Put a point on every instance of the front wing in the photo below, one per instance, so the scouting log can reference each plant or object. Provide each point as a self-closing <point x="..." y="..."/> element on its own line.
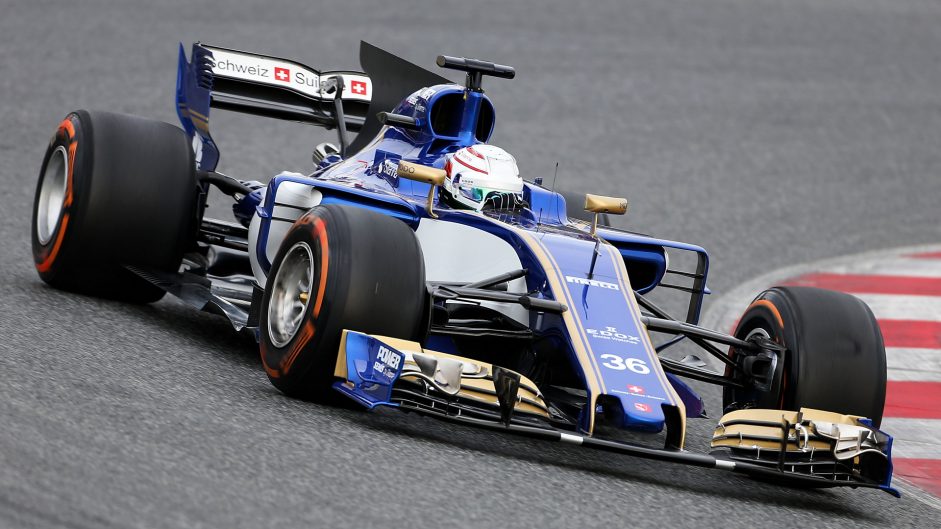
<point x="806" y="448"/>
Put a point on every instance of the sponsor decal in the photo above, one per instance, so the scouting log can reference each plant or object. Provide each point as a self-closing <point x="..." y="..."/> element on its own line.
<point x="386" y="168"/>
<point x="640" y="406"/>
<point x="389" y="168"/>
<point x="418" y="101"/>
<point x="654" y="397"/>
<point x="358" y="88"/>
<point x="265" y="70"/>
<point x="389" y="357"/>
<point x="611" y="333"/>
<point x="592" y="283"/>
<point x="426" y="93"/>
<point x="387" y="362"/>
<point x="237" y="67"/>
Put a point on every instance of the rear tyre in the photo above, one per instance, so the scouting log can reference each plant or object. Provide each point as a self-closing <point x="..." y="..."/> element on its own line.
<point x="338" y="268"/>
<point x="113" y="190"/>
<point x="835" y="357"/>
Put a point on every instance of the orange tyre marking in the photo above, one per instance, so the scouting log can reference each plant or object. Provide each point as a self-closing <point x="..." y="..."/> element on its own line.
<point x="273" y="373"/>
<point x="67" y="128"/>
<point x="308" y="330"/>
<point x="320" y="228"/>
<point x="777" y="316"/>
<point x="770" y="306"/>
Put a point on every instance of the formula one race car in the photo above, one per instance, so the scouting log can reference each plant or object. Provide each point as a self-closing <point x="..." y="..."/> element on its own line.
<point x="414" y="268"/>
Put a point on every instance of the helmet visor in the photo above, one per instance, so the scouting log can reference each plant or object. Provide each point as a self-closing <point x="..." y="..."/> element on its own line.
<point x="475" y="194"/>
<point x="496" y="198"/>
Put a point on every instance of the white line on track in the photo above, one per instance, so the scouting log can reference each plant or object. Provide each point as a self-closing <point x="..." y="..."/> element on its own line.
<point x="901" y="266"/>
<point x="914" y="438"/>
<point x="913" y="364"/>
<point x="895" y="307"/>
<point x="911" y="490"/>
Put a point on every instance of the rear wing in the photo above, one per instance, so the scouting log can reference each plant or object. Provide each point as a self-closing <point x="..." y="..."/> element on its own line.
<point x="265" y="86"/>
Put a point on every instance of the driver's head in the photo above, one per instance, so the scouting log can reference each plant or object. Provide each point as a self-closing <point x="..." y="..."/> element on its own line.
<point x="483" y="176"/>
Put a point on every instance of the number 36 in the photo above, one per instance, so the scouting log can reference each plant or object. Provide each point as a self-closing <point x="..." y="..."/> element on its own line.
<point x="620" y="364"/>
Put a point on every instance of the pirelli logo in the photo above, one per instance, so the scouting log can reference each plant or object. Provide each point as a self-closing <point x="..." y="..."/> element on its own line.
<point x="592" y="283"/>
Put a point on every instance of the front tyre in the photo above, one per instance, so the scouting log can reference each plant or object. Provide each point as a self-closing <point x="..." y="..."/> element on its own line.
<point x="338" y="268"/>
<point x="834" y="358"/>
<point x="113" y="190"/>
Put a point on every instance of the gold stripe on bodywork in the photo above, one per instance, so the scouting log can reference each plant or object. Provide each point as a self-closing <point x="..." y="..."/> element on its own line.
<point x="200" y="121"/>
<point x="571" y="301"/>
<point x="198" y="115"/>
<point x="624" y="280"/>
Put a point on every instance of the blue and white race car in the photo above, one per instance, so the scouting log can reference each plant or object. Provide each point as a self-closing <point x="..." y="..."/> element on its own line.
<point x="415" y="268"/>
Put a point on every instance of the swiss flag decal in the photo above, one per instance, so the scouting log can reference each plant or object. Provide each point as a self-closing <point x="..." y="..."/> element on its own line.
<point x="282" y="74"/>
<point x="637" y="390"/>
<point x="358" y="87"/>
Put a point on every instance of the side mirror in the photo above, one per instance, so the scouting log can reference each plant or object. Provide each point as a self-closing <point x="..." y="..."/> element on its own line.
<point x="424" y="174"/>
<point x="600" y="204"/>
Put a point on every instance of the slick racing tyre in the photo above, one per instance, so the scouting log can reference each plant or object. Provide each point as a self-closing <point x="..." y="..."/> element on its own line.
<point x="113" y="190"/>
<point x="338" y="268"/>
<point x="834" y="358"/>
<point x="574" y="209"/>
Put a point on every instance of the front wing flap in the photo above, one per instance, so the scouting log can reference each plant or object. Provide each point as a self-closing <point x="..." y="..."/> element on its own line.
<point x="378" y="370"/>
<point x="809" y="442"/>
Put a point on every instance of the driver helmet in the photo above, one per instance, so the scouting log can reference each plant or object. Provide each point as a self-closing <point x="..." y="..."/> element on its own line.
<point x="483" y="176"/>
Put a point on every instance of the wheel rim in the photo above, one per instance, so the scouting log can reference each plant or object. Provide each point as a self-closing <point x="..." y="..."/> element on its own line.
<point x="290" y="294"/>
<point x="52" y="195"/>
<point x="758" y="331"/>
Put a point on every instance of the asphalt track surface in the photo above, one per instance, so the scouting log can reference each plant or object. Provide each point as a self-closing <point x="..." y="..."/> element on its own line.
<point x="771" y="133"/>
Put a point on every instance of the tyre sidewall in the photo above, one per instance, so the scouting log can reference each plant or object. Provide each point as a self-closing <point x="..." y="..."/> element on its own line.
<point x="57" y="254"/>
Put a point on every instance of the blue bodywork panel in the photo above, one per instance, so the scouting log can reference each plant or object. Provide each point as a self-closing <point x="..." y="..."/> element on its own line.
<point x="886" y="485"/>
<point x="193" y="96"/>
<point x="372" y="367"/>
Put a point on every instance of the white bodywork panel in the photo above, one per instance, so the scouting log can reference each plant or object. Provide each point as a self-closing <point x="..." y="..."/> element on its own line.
<point x="292" y="201"/>
<point x="456" y="253"/>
